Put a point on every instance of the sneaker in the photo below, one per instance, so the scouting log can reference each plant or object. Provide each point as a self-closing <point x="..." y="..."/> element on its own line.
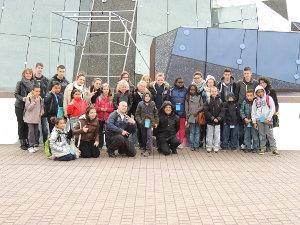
<point x="208" y="150"/>
<point x="31" y="150"/>
<point x="275" y="152"/>
<point x="216" y="150"/>
<point x="181" y="146"/>
<point x="261" y="152"/>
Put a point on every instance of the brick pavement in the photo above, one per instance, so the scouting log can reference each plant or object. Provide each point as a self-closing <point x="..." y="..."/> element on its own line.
<point x="188" y="188"/>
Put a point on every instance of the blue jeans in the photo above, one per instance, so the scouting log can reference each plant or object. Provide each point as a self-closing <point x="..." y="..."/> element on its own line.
<point x="230" y="137"/>
<point x="44" y="125"/>
<point x="251" y="138"/>
<point x="194" y="135"/>
<point x="67" y="157"/>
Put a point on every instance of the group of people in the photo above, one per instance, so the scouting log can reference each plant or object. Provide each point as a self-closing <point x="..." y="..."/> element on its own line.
<point x="204" y="114"/>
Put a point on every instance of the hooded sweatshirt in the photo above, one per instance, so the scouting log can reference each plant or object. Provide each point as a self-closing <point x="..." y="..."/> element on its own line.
<point x="232" y="112"/>
<point x="260" y="108"/>
<point x="224" y="88"/>
<point x="242" y="86"/>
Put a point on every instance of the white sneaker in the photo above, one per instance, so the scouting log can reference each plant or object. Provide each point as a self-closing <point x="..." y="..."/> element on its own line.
<point x="181" y="146"/>
<point x="208" y="149"/>
<point x="31" y="150"/>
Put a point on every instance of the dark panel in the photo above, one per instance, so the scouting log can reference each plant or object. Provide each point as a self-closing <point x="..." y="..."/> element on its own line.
<point x="278" y="6"/>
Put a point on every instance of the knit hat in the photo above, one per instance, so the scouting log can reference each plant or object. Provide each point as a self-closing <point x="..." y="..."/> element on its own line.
<point x="258" y="87"/>
<point x="210" y="77"/>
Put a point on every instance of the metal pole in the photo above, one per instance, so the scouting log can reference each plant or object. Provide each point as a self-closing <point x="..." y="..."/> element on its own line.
<point x="83" y="47"/>
<point x="50" y="40"/>
<point x="108" y="48"/>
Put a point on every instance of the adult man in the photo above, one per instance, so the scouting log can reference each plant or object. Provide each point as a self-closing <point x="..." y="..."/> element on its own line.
<point x="120" y="129"/>
<point x="60" y="77"/>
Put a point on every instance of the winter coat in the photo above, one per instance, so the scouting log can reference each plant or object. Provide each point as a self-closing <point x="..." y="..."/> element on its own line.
<point x="21" y="91"/>
<point x="64" y="82"/>
<point x="137" y="97"/>
<point x="245" y="110"/>
<point x="95" y="96"/>
<point x="193" y="105"/>
<point x="58" y="143"/>
<point x="34" y="109"/>
<point x="68" y="92"/>
<point x="160" y="94"/>
<point x="146" y="111"/>
<point x="116" y="125"/>
<point x="51" y="104"/>
<point x="224" y="88"/>
<point x="43" y="82"/>
<point x="126" y="97"/>
<point x="77" y="108"/>
<point x="106" y="103"/>
<point x="241" y="88"/>
<point x="168" y="124"/>
<point x="232" y="111"/>
<point x="92" y="134"/>
<point x="177" y="98"/>
<point x="214" y="109"/>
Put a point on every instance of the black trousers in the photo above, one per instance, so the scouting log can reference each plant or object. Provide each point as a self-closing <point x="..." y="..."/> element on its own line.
<point x="88" y="149"/>
<point x="22" y="126"/>
<point x="122" y="144"/>
<point x="101" y="133"/>
<point x="167" y="145"/>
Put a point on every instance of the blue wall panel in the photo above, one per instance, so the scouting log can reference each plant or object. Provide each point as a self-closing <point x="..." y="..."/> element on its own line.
<point x="190" y="43"/>
<point x="277" y="55"/>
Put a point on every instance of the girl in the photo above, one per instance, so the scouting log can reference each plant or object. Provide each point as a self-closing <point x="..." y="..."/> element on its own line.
<point x="87" y="134"/>
<point x="23" y="88"/>
<point x="210" y="82"/>
<point x="104" y="106"/>
<point x="32" y="116"/>
<point x="177" y="97"/>
<point x="95" y="90"/>
<point x="160" y="90"/>
<point x="60" y="149"/>
<point x="193" y="106"/>
<point x="76" y="107"/>
<point x="123" y="94"/>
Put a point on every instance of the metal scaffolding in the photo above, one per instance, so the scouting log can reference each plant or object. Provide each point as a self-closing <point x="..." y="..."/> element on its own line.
<point x="109" y="17"/>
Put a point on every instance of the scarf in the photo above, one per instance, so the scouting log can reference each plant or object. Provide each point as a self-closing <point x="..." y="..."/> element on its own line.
<point x="80" y="88"/>
<point x="28" y="84"/>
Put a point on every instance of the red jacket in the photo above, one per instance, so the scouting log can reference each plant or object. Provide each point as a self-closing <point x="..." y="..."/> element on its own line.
<point x="77" y="108"/>
<point x="106" y="103"/>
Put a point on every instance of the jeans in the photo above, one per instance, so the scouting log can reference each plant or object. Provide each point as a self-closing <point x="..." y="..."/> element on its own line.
<point x="147" y="141"/>
<point x="123" y="144"/>
<point x="67" y="157"/>
<point x="33" y="134"/>
<point x="266" y="132"/>
<point x="194" y="135"/>
<point x="44" y="127"/>
<point x="213" y="136"/>
<point x="230" y="136"/>
<point x="251" y="138"/>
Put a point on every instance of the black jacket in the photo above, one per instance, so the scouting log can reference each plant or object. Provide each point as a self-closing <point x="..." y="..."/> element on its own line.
<point x="232" y="112"/>
<point x="225" y="89"/>
<point x="43" y="82"/>
<point x="136" y="99"/>
<point x="51" y="105"/>
<point x="64" y="83"/>
<point x="168" y="124"/>
<point x="20" y="92"/>
<point x="214" y="109"/>
<point x="115" y="125"/>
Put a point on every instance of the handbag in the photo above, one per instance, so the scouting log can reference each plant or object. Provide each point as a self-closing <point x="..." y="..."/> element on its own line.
<point x="201" y="118"/>
<point x="275" y="121"/>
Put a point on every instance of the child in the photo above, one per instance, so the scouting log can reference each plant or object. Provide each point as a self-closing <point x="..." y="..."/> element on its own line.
<point x="177" y="98"/>
<point x="250" y="134"/>
<point x="160" y="90"/>
<point x="53" y="104"/>
<point x="76" y="107"/>
<point x="147" y="117"/>
<point x="199" y="81"/>
<point x="263" y="109"/>
<point x="33" y="111"/>
<point x="104" y="106"/>
<point x="59" y="146"/>
<point x="123" y="94"/>
<point x="193" y="105"/>
<point x="87" y="134"/>
<point x="214" y="113"/>
<point x="210" y="82"/>
<point x="231" y="122"/>
<point x="95" y="90"/>
<point x="226" y="85"/>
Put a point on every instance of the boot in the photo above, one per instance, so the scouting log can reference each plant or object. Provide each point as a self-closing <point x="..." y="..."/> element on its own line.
<point x="23" y="144"/>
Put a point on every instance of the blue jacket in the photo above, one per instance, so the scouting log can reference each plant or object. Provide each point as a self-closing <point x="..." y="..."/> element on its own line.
<point x="177" y="98"/>
<point x="115" y="124"/>
<point x="245" y="110"/>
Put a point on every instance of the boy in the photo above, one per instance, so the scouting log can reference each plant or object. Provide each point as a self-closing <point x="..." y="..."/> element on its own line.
<point x="214" y="114"/>
<point x="231" y="122"/>
<point x="199" y="81"/>
<point x="146" y="117"/>
<point x="226" y="85"/>
<point x="60" y="77"/>
<point x="250" y="133"/>
<point x="263" y="109"/>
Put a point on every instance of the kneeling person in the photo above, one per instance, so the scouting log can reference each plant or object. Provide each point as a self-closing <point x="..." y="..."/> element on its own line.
<point x="120" y="128"/>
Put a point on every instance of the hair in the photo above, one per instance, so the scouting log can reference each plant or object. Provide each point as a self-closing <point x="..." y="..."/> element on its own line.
<point x="39" y="64"/>
<point x="177" y="79"/>
<point x="54" y="83"/>
<point x="27" y="70"/>
<point x="107" y="85"/>
<point x="36" y="86"/>
<point x="227" y="70"/>
<point x="87" y="111"/>
<point x="198" y="73"/>
<point x="61" y="67"/>
<point x="250" y="91"/>
<point x="189" y="88"/>
<point x="266" y="80"/>
<point x="122" y="83"/>
<point x="247" y="68"/>
<point x="145" y="76"/>
<point x="73" y="92"/>
<point x="141" y="82"/>
<point x="80" y="74"/>
<point x="93" y="84"/>
<point x="123" y="73"/>
<point x="55" y="120"/>
<point x="147" y="93"/>
<point x="159" y="75"/>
